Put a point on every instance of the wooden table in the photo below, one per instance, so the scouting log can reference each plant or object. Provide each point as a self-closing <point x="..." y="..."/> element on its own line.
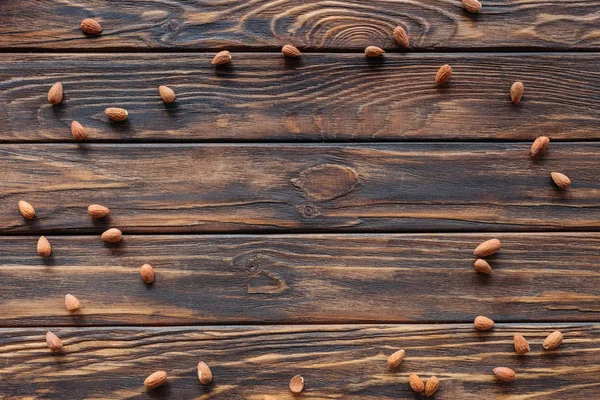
<point x="306" y="216"/>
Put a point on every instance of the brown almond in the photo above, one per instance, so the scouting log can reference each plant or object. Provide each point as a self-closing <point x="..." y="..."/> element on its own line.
<point x="204" y="373"/>
<point x="482" y="266"/>
<point x="91" y="26"/>
<point x="482" y="323"/>
<point x="55" y="94"/>
<point x="297" y="384"/>
<point x="487" y="248"/>
<point x="553" y="340"/>
<point x="416" y="383"/>
<point x="472" y="5"/>
<point x="78" y="131"/>
<point x="290" y="51"/>
<point x="539" y="145"/>
<point x="53" y="342"/>
<point x="561" y="180"/>
<point x="167" y="94"/>
<point x="147" y="273"/>
<point x="222" y="57"/>
<point x="26" y="209"/>
<point x="155" y="380"/>
<point x="432" y="386"/>
<point x="116" y="114"/>
<point x="43" y="247"/>
<point x="98" y="211"/>
<point x="444" y="74"/>
<point x="400" y="36"/>
<point x="521" y="344"/>
<point x="516" y="92"/>
<point x="113" y="235"/>
<point x="396" y="359"/>
<point x="71" y="303"/>
<point x="504" y="374"/>
<point x="374" y="51"/>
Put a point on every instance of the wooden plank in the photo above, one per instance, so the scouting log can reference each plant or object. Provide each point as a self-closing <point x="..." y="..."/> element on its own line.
<point x="292" y="188"/>
<point x="262" y="97"/>
<point x="337" y="362"/>
<point x="301" y="279"/>
<point x="314" y="24"/>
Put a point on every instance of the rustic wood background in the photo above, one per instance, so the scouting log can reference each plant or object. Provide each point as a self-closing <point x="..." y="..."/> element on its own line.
<point x="307" y="216"/>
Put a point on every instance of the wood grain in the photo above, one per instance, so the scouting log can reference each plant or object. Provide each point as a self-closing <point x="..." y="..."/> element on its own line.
<point x="300" y="279"/>
<point x="309" y="24"/>
<point x="337" y="362"/>
<point x="331" y="97"/>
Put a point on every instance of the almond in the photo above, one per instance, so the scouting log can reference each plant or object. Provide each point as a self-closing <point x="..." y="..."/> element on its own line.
<point x="155" y="380"/>
<point x="444" y="74"/>
<point x="432" y="386"/>
<point x="98" y="211"/>
<point x="297" y="384"/>
<point x="222" y="57"/>
<point x="553" y="340"/>
<point x="290" y="51"/>
<point x="482" y="266"/>
<point x="113" y="235"/>
<point x="53" y="342"/>
<point x="561" y="180"/>
<point x="487" y="248"/>
<point x="147" y="273"/>
<point x="516" y="92"/>
<point x="396" y="359"/>
<point x="482" y="323"/>
<point x="43" y="247"/>
<point x="504" y="374"/>
<point x="204" y="373"/>
<point x="416" y="383"/>
<point x="374" y="51"/>
<point x="26" y="209"/>
<point x="167" y="94"/>
<point x="78" y="131"/>
<point x="400" y="36"/>
<point x="521" y="344"/>
<point x="472" y="5"/>
<point x="91" y="26"/>
<point x="55" y="94"/>
<point x="116" y="114"/>
<point x="539" y="145"/>
<point x="71" y="303"/>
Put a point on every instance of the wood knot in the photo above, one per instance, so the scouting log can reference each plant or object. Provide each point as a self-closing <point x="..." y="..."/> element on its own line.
<point x="326" y="181"/>
<point x="308" y="211"/>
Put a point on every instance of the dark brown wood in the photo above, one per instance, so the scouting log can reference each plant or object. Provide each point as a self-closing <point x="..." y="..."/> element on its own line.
<point x="300" y="279"/>
<point x="314" y="24"/>
<point x="331" y="97"/>
<point x="337" y="362"/>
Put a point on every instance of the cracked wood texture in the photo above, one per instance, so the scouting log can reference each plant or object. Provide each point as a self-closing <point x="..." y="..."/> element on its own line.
<point x="309" y="24"/>
<point x="301" y="279"/>
<point x="406" y="187"/>
<point x="331" y="97"/>
<point x="336" y="361"/>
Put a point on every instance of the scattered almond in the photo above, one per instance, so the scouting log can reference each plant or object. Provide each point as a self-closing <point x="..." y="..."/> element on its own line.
<point x="112" y="235"/>
<point x="43" y="247"/>
<point x="98" y="211"/>
<point x="396" y="359"/>
<point x="116" y="114"/>
<point x="78" y="131"/>
<point x="504" y="374"/>
<point x="91" y="26"/>
<point x="416" y="383"/>
<point x="487" y="248"/>
<point x="155" y="380"/>
<point x="222" y="57"/>
<point x="553" y="340"/>
<point x="55" y="94"/>
<point x="290" y="51"/>
<point x="71" y="303"/>
<point x="53" y="342"/>
<point x="432" y="386"/>
<point x="561" y="180"/>
<point x="521" y="344"/>
<point x="482" y="266"/>
<point x="400" y="36"/>
<point x="26" y="209"/>
<point x="147" y="273"/>
<point x="297" y="384"/>
<point x="204" y="373"/>
<point x="516" y="92"/>
<point x="472" y="5"/>
<point x="167" y="94"/>
<point x="482" y="323"/>
<point x="444" y="74"/>
<point x="539" y="145"/>
<point x="374" y="51"/>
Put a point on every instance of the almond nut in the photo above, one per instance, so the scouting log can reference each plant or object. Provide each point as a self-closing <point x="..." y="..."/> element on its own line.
<point x="78" y="131"/>
<point x="113" y="235"/>
<point x="482" y="266"/>
<point x="53" y="342"/>
<point x="521" y="344"/>
<point x="396" y="359"/>
<point x="71" y="303"/>
<point x="26" y="209"/>
<point x="539" y="145"/>
<point x="297" y="384"/>
<point x="43" y="247"/>
<point x="516" y="92"/>
<point x="155" y="380"/>
<point x="204" y="373"/>
<point x="482" y="323"/>
<point x="98" y="211"/>
<point x="504" y="374"/>
<point x="561" y="180"/>
<point x="222" y="57"/>
<point x="472" y="5"/>
<point x="374" y="51"/>
<point x="116" y="114"/>
<point x="290" y="51"/>
<point x="147" y="273"/>
<point x="553" y="340"/>
<point x="400" y="36"/>
<point x="416" y="383"/>
<point x="444" y="74"/>
<point x="487" y="248"/>
<point x="55" y="94"/>
<point x="432" y="386"/>
<point x="91" y="26"/>
<point x="167" y="94"/>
